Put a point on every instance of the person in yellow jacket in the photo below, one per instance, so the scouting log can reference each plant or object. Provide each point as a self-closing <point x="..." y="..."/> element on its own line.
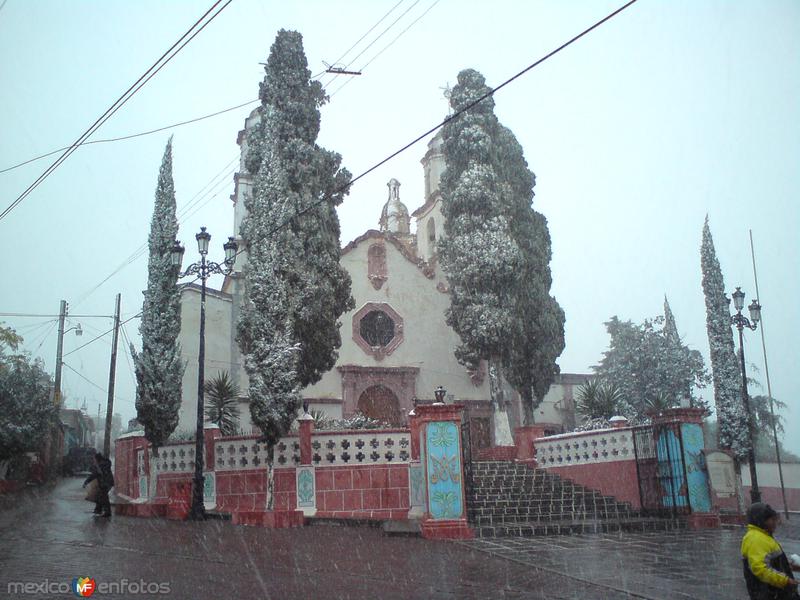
<point x="767" y="570"/>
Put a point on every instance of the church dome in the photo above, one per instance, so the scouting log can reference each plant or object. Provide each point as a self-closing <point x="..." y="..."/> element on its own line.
<point x="394" y="216"/>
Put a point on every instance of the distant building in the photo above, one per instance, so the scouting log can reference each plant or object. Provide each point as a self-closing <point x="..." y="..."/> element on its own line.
<point x="396" y="345"/>
<point x="78" y="427"/>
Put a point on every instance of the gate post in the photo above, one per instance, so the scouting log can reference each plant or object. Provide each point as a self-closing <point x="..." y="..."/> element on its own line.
<point x="441" y="458"/>
<point x="689" y="424"/>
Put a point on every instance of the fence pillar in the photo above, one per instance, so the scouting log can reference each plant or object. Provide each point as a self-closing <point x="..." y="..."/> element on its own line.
<point x="306" y="426"/>
<point x="211" y="433"/>
<point x="305" y="476"/>
<point x="442" y="467"/>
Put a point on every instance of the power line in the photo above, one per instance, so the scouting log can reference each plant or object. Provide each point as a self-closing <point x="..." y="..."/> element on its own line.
<point x="131" y="136"/>
<point x="346" y="52"/>
<point x="136" y="316"/>
<point x="389" y="45"/>
<point x="45" y="336"/>
<point x="128" y="356"/>
<point x="129" y="93"/>
<point x="86" y="379"/>
<point x="392" y="24"/>
<point x="16" y="314"/>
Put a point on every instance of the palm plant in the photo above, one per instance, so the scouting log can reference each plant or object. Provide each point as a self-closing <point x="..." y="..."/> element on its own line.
<point x="222" y="403"/>
<point x="597" y="399"/>
<point x="662" y="401"/>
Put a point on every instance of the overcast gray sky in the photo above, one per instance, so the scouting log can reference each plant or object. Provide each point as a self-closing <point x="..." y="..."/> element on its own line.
<point x="670" y="111"/>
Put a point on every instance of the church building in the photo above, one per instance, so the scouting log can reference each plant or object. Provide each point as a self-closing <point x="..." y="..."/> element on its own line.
<point x="396" y="346"/>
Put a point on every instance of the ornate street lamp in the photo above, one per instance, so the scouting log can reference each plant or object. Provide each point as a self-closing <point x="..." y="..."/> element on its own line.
<point x="440" y="393"/>
<point x="203" y="270"/>
<point x="741" y="322"/>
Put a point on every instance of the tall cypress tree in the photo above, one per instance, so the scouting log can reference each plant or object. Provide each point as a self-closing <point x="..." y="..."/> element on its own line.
<point x="670" y="327"/>
<point x="295" y="288"/>
<point x="538" y="338"/>
<point x="158" y="367"/>
<point x="732" y="419"/>
<point x="479" y="254"/>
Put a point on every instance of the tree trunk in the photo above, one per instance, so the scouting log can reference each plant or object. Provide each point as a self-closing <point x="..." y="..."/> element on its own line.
<point x="270" y="479"/>
<point x="502" y="429"/>
<point x="529" y="413"/>
<point x="151" y="459"/>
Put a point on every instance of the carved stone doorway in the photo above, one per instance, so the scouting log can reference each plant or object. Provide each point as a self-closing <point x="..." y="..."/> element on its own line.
<point x="379" y="402"/>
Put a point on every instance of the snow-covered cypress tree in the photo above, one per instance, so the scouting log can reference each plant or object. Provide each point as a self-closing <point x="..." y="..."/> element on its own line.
<point x="479" y="253"/>
<point x="538" y="338"/>
<point x="158" y="367"/>
<point x="732" y="419"/>
<point x="295" y="288"/>
<point x="670" y="327"/>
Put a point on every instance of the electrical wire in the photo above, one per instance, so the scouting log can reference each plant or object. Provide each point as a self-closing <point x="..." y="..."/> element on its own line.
<point x="132" y="135"/>
<point x="127" y="95"/>
<point x="385" y="48"/>
<point x="44" y="338"/>
<point x="372" y="43"/>
<point x="346" y="52"/>
<point x="196" y="119"/>
<point x="31" y="328"/>
<point x="182" y="214"/>
<point x="128" y="356"/>
<point x="86" y="379"/>
<point x="20" y="314"/>
<point x="136" y="316"/>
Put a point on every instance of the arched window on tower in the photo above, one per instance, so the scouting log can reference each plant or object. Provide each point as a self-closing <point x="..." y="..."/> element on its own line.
<point x="431" y="230"/>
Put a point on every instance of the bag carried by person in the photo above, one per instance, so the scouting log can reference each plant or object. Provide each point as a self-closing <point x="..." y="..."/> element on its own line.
<point x="91" y="491"/>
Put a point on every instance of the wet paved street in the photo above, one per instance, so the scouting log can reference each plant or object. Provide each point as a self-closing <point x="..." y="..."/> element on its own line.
<point x="52" y="535"/>
<point x="49" y="534"/>
<point x="700" y="564"/>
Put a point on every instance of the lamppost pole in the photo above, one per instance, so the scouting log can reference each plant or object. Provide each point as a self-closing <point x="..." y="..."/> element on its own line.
<point x="198" y="506"/>
<point x="741" y="322"/>
<point x="203" y="270"/>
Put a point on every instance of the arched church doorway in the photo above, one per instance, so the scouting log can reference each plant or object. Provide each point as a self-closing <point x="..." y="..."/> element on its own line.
<point x="379" y="402"/>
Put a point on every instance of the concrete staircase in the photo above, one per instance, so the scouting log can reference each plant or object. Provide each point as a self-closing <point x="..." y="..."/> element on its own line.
<point x="512" y="499"/>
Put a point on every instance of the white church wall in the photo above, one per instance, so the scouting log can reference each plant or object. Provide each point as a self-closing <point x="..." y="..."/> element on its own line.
<point x="428" y="342"/>
<point x="426" y="246"/>
<point x="217" y="350"/>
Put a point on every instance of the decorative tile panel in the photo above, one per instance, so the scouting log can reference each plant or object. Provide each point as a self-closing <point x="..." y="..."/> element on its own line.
<point x="248" y="453"/>
<point x="416" y="484"/>
<point x="306" y="492"/>
<point x="175" y="458"/>
<point x="365" y="447"/>
<point x="585" y="448"/>
<point x="209" y="489"/>
<point x="444" y="482"/>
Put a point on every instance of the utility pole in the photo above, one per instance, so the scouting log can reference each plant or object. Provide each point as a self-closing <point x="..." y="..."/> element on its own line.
<point x="62" y="315"/>
<point x="769" y="389"/>
<point x="111" y="379"/>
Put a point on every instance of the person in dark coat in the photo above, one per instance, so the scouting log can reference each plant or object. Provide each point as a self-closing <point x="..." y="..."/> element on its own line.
<point x="767" y="570"/>
<point x="101" y="471"/>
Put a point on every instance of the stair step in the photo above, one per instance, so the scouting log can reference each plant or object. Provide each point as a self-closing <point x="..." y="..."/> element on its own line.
<point x="567" y="527"/>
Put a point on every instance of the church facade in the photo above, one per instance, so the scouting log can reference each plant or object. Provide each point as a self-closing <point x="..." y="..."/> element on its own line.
<point x="396" y="346"/>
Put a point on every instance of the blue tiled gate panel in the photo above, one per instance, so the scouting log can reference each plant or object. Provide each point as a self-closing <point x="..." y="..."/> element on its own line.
<point x="696" y="471"/>
<point x="443" y="456"/>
